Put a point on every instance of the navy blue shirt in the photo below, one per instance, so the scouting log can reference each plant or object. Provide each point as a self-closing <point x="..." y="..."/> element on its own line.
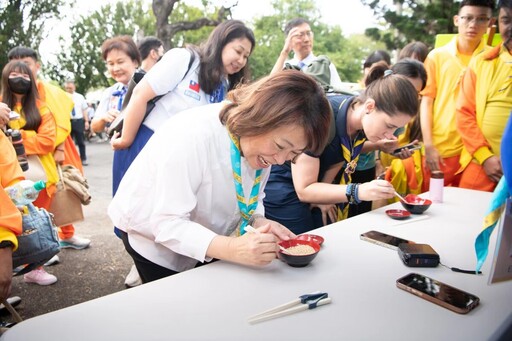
<point x="281" y="201"/>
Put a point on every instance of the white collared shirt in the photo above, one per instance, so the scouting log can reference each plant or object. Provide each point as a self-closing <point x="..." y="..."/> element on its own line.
<point x="80" y="105"/>
<point x="179" y="193"/>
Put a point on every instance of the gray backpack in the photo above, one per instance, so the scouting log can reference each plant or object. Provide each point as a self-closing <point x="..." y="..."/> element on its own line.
<point x="320" y="70"/>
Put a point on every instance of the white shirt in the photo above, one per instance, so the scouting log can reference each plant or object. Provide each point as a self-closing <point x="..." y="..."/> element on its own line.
<point x="181" y="90"/>
<point x="80" y="105"/>
<point x="179" y="193"/>
<point x="335" y="78"/>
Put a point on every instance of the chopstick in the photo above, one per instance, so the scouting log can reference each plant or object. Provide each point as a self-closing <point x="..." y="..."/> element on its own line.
<point x="291" y="310"/>
<point x="251" y="229"/>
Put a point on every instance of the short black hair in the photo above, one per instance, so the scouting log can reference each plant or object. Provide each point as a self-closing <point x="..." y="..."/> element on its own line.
<point x="480" y="3"/>
<point x="411" y="68"/>
<point x="377" y="56"/>
<point x="147" y="44"/>
<point x="504" y="3"/>
<point x="20" y="52"/>
<point x="294" y="23"/>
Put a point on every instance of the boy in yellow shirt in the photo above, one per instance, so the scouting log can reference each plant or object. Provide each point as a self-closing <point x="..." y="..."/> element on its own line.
<point x="483" y="109"/>
<point x="445" y="67"/>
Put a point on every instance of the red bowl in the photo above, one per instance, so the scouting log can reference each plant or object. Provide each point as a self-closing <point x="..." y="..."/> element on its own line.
<point x="415" y="204"/>
<point x="297" y="261"/>
<point x="398" y="214"/>
<point x="312" y="237"/>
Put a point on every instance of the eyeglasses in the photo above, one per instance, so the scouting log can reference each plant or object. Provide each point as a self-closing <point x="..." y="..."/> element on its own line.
<point x="478" y="20"/>
<point x="303" y="35"/>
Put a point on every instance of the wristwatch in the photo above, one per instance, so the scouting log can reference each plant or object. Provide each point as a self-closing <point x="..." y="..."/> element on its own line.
<point x="6" y="243"/>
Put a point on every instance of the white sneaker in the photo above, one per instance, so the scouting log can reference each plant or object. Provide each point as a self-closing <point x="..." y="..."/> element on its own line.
<point x="13" y="301"/>
<point x="39" y="276"/>
<point x="52" y="261"/>
<point x="75" y="242"/>
<point x="133" y="278"/>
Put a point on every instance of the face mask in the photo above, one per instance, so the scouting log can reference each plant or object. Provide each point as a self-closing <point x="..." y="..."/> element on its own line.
<point x="19" y="85"/>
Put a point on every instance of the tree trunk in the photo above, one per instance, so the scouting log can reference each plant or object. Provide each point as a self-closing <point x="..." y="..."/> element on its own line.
<point x="166" y="31"/>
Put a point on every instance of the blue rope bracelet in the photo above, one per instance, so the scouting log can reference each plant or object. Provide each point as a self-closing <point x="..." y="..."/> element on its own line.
<point x="356" y="194"/>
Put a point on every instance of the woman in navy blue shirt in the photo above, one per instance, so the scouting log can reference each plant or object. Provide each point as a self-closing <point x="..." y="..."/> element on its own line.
<point x="294" y="189"/>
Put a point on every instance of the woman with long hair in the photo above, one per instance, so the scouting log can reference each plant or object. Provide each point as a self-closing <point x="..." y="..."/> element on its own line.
<point x="295" y="191"/>
<point x="37" y="126"/>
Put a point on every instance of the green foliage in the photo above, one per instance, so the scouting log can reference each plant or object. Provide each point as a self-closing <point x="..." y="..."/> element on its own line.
<point x="184" y="12"/>
<point x="347" y="54"/>
<point x="22" y="22"/>
<point x="411" y="20"/>
<point x="82" y="58"/>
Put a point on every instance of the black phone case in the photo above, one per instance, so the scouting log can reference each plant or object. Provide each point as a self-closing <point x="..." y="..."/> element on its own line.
<point x="418" y="255"/>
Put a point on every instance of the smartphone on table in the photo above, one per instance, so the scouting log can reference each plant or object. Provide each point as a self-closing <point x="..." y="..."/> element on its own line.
<point x="439" y="293"/>
<point x="410" y="146"/>
<point x="382" y="239"/>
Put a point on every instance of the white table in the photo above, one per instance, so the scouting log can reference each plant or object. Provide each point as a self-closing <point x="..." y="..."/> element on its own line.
<point x="214" y="302"/>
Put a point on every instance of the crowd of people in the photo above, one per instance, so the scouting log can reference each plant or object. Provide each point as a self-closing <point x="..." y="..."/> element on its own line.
<point x="204" y="150"/>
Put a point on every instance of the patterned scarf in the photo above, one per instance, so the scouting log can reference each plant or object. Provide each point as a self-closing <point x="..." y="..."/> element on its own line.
<point x="246" y="209"/>
<point x="120" y="94"/>
<point x="351" y="151"/>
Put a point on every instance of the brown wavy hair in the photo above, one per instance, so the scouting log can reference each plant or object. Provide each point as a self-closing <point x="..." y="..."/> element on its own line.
<point x="393" y="93"/>
<point x="123" y="43"/>
<point x="285" y="98"/>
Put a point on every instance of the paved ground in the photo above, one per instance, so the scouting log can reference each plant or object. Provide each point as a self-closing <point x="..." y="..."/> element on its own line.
<point x="82" y="274"/>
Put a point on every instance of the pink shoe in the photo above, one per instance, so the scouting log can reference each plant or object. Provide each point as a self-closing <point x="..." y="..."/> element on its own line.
<point x="39" y="276"/>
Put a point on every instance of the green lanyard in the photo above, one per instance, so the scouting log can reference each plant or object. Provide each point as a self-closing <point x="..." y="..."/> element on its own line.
<point x="246" y="209"/>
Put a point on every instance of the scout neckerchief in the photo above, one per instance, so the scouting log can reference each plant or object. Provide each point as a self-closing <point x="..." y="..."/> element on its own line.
<point x="351" y="150"/>
<point x="120" y="94"/>
<point x="246" y="209"/>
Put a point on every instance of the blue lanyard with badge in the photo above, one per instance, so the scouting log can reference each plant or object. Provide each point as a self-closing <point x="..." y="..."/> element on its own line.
<point x="246" y="209"/>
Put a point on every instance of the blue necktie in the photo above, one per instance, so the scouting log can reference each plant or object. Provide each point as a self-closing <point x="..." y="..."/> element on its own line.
<point x="301" y="65"/>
